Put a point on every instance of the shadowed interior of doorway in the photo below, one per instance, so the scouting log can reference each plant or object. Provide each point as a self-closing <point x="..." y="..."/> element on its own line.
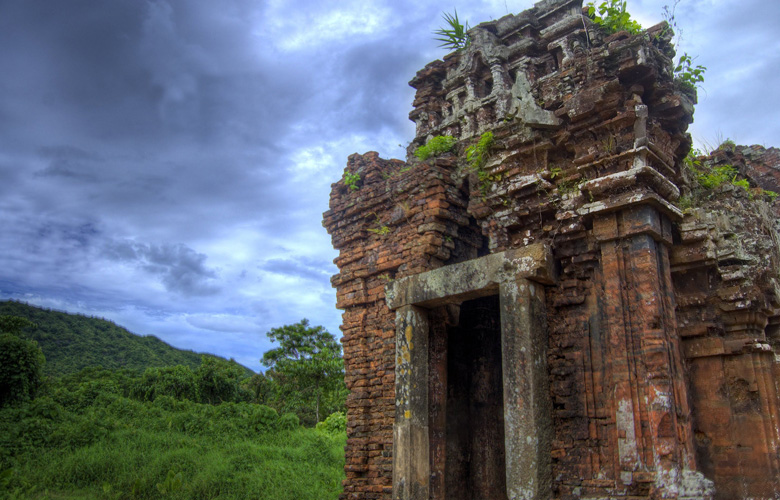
<point x="471" y="411"/>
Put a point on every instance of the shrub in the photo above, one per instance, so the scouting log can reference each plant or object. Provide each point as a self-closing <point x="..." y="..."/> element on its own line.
<point x="717" y="176"/>
<point x="688" y="76"/>
<point x="264" y="418"/>
<point x="289" y="421"/>
<point x="436" y="146"/>
<point x="218" y="380"/>
<point x="175" y="381"/>
<point x="477" y="156"/>
<point x="336" y="422"/>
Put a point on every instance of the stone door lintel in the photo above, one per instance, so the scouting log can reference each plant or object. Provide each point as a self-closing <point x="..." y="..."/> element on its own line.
<point x="471" y="279"/>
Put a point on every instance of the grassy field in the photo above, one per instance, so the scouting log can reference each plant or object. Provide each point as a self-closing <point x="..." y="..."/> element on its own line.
<point x="85" y="438"/>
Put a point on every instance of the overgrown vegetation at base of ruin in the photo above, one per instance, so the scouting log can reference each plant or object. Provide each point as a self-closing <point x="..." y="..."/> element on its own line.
<point x="216" y="431"/>
<point x="84" y="437"/>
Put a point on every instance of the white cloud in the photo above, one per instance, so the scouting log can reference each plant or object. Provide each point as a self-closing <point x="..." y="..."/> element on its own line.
<point x="295" y="27"/>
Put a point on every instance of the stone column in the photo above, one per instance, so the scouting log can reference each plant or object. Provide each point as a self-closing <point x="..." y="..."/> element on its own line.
<point x="527" y="409"/>
<point x="643" y="382"/>
<point x="411" y="468"/>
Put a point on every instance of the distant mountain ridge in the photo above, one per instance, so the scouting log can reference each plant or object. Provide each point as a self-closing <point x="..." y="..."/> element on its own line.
<point x="71" y="342"/>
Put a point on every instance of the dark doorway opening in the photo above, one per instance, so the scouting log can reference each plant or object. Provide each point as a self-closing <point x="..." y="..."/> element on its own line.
<point x="475" y="466"/>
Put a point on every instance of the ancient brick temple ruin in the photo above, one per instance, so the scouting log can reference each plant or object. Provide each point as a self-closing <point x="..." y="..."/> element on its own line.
<point x="571" y="320"/>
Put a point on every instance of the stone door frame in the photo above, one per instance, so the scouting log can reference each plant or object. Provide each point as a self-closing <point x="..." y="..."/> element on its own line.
<point x="515" y="276"/>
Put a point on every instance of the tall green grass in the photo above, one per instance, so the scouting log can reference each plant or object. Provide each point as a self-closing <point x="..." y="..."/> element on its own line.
<point x="89" y="440"/>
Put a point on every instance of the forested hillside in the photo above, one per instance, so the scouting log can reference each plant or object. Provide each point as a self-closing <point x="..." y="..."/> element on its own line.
<point x="71" y="342"/>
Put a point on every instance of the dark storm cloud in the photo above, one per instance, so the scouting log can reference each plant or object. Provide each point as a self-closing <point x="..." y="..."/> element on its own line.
<point x="159" y="71"/>
<point x="181" y="269"/>
<point x="75" y="62"/>
<point x="50" y="246"/>
<point x="149" y="154"/>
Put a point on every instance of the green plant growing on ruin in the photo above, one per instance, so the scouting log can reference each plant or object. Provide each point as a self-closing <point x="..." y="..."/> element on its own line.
<point x="569" y="186"/>
<point x="351" y="180"/>
<point x="743" y="183"/>
<point x="609" y="144"/>
<point x="685" y="203"/>
<point x="381" y="230"/>
<point x="727" y="145"/>
<point x="709" y="178"/>
<point x="476" y="158"/>
<point x="436" y="146"/>
<point x="478" y="154"/>
<point x="688" y="76"/>
<point x="613" y="16"/>
<point x="454" y="36"/>
<point x="716" y="177"/>
<point x="671" y="23"/>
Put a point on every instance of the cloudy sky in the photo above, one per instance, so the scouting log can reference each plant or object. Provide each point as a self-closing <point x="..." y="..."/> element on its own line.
<point x="165" y="163"/>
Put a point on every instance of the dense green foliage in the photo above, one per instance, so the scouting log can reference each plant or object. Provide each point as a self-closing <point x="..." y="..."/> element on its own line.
<point x="14" y="325"/>
<point x="21" y="368"/>
<point x="72" y="342"/>
<point x="436" y="146"/>
<point x="215" y="381"/>
<point x="86" y="436"/>
<point x="306" y="372"/>
<point x="336" y="422"/>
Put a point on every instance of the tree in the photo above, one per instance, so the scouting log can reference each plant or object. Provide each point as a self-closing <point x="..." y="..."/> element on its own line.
<point x="176" y="381"/>
<point x="218" y="380"/>
<point x="21" y="361"/>
<point x="308" y="368"/>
